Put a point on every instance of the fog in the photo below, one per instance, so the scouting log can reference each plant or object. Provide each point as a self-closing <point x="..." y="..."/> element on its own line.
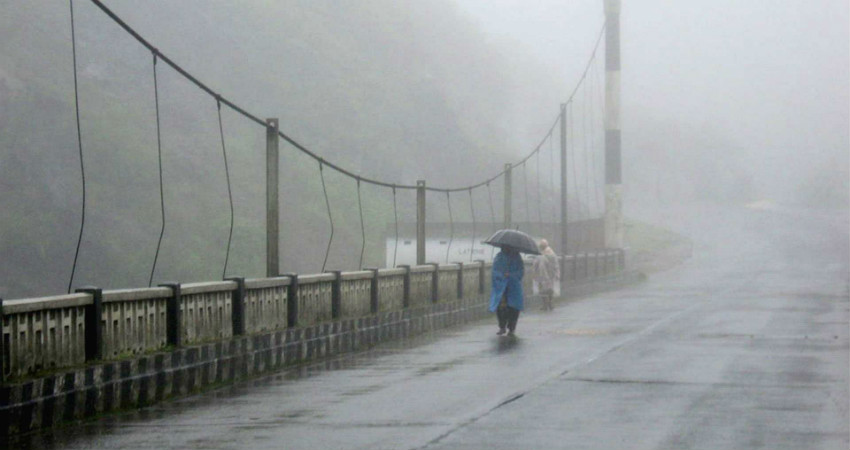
<point x="722" y="102"/>
<point x="756" y="88"/>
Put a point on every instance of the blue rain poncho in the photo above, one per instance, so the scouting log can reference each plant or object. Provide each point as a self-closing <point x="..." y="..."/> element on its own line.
<point x="508" y="270"/>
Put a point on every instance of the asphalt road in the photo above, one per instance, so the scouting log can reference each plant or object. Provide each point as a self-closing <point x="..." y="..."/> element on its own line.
<point x="745" y="346"/>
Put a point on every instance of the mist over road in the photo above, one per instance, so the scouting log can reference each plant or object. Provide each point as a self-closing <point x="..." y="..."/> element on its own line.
<point x="744" y="346"/>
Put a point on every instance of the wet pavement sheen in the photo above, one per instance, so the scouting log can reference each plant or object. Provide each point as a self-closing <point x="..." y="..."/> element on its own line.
<point x="745" y="346"/>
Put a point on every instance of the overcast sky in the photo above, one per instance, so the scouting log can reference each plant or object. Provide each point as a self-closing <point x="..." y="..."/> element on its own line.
<point x="769" y="77"/>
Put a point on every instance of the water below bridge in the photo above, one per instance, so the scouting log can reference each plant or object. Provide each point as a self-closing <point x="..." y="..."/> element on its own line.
<point x="744" y="346"/>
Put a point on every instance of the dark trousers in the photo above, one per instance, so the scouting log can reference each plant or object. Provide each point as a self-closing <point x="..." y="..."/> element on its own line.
<point x="507" y="317"/>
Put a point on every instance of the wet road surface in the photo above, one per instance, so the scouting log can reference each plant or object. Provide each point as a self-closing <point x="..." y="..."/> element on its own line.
<point x="745" y="346"/>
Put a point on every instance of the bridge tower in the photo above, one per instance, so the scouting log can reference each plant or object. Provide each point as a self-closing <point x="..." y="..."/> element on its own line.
<point x="613" y="173"/>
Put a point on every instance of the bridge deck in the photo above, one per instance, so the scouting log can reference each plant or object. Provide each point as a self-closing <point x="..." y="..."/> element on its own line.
<point x="745" y="346"/>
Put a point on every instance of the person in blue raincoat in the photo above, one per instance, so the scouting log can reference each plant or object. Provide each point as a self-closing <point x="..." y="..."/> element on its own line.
<point x="506" y="295"/>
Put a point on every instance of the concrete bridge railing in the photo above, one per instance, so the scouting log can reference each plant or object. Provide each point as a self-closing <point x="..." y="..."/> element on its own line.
<point x="51" y="333"/>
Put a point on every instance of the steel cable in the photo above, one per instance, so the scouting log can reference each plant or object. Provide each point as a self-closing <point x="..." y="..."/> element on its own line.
<point x="525" y="188"/>
<point x="537" y="177"/>
<point x="159" y="156"/>
<point x="594" y="137"/>
<point x="287" y="138"/>
<point x="492" y="215"/>
<point x="554" y="189"/>
<point x="395" y="213"/>
<point x="586" y="159"/>
<point x="229" y="190"/>
<point x="472" y="212"/>
<point x="330" y="216"/>
<point x="572" y="157"/>
<point x="451" y="226"/>
<point x="79" y="147"/>
<point x="600" y="100"/>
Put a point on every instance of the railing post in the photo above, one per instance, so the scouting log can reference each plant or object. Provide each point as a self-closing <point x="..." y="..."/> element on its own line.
<point x="94" y="325"/>
<point x="460" y="281"/>
<point x="173" y="333"/>
<point x="272" y="214"/>
<point x="508" y="196"/>
<point x="482" y="286"/>
<point x="374" y="298"/>
<point x="420" y="222"/>
<point x="292" y="301"/>
<point x="435" y="283"/>
<point x="336" y="294"/>
<point x="238" y="305"/>
<point x="564" y="211"/>
<point x="405" y="301"/>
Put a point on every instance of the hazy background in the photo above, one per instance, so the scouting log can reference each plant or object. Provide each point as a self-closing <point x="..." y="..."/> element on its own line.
<point x="715" y="93"/>
<point x="723" y="101"/>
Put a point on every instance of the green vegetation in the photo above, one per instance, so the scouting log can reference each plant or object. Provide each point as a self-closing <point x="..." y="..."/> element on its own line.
<point x="392" y="90"/>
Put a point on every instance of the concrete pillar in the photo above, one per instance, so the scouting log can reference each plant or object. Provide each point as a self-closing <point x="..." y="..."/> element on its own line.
<point x="272" y="214"/>
<point x="508" y="196"/>
<point x="613" y="176"/>
<point x="292" y="301"/>
<point x="374" y="298"/>
<point x="94" y="323"/>
<point x="406" y="296"/>
<point x="336" y="294"/>
<point x="173" y="320"/>
<point x="420" y="222"/>
<point x="237" y="303"/>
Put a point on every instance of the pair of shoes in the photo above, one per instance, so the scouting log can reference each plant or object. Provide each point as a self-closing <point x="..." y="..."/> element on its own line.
<point x="501" y="331"/>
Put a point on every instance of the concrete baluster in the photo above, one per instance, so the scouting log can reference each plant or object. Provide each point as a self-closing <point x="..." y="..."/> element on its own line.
<point x="173" y="319"/>
<point x="238" y="306"/>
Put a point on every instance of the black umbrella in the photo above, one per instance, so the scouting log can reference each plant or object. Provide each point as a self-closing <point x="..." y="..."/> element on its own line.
<point x="515" y="240"/>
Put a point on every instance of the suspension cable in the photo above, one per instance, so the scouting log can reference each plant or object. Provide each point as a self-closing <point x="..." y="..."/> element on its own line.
<point x="362" y="226"/>
<point x="525" y="187"/>
<point x="330" y="216"/>
<point x="537" y="178"/>
<point x="229" y="190"/>
<point x="451" y="226"/>
<point x="553" y="192"/>
<point x="79" y="147"/>
<point x="472" y="212"/>
<point x="572" y="154"/>
<point x="600" y="101"/>
<point x="290" y="140"/>
<point x="492" y="216"/>
<point x="395" y="213"/>
<point x="595" y="137"/>
<point x="159" y="156"/>
<point x="586" y="159"/>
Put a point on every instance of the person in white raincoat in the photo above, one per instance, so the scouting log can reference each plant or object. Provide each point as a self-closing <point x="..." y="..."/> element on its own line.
<point x="547" y="272"/>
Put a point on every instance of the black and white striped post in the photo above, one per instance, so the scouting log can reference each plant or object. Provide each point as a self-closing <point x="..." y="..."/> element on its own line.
<point x="613" y="174"/>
